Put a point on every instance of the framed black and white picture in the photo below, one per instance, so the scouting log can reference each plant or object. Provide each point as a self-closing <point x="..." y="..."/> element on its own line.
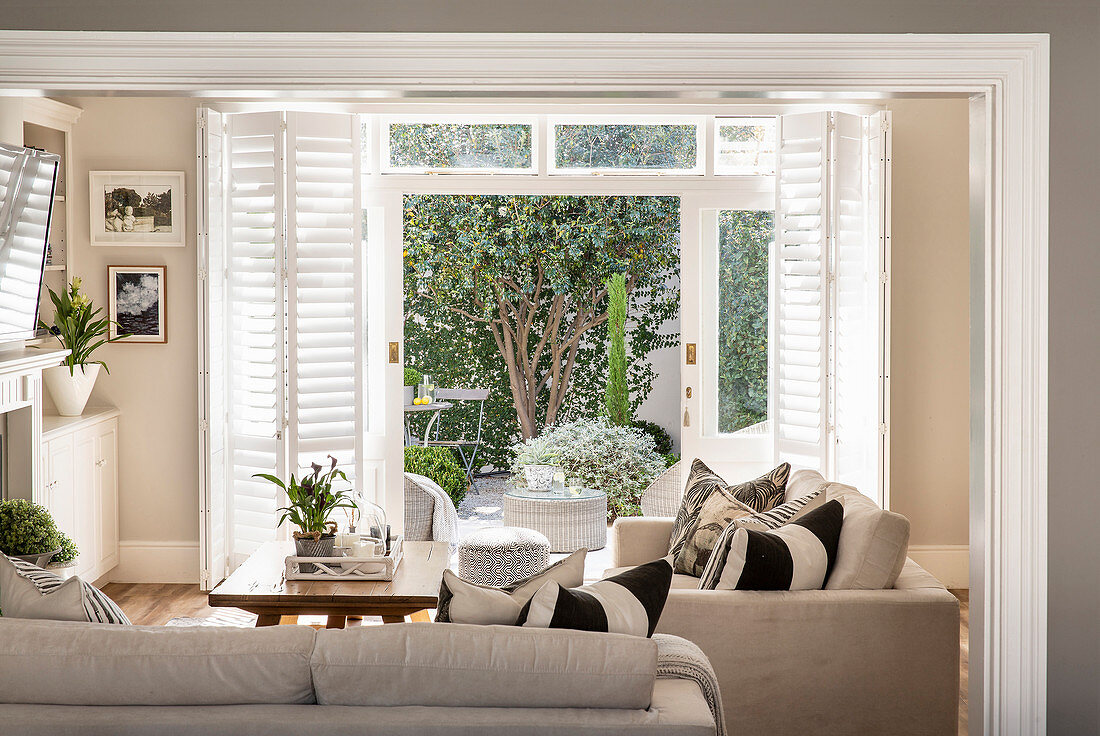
<point x="144" y="208"/>
<point x="136" y="302"/>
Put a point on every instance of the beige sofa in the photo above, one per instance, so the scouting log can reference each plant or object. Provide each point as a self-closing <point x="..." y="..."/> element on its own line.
<point x="820" y="662"/>
<point x="395" y="680"/>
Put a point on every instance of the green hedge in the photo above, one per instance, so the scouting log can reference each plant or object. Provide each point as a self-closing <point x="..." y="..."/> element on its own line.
<point x="441" y="465"/>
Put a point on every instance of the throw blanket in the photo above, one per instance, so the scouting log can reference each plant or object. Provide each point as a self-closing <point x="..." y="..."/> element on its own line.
<point x="681" y="659"/>
<point x="444" y="515"/>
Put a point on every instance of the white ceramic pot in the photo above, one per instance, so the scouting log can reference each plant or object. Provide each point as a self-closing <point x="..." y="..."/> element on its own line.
<point x="539" y="477"/>
<point x="70" y="392"/>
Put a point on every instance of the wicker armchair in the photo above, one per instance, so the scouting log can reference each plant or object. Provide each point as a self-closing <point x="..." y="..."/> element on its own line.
<point x="420" y="511"/>
<point x="662" y="497"/>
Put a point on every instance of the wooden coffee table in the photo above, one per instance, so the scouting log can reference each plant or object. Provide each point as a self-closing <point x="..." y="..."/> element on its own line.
<point x="259" y="586"/>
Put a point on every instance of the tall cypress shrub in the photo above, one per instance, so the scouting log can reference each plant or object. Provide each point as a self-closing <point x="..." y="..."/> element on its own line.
<point x="617" y="398"/>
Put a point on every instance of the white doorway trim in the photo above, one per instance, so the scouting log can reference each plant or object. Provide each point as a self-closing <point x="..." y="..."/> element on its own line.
<point x="1011" y="72"/>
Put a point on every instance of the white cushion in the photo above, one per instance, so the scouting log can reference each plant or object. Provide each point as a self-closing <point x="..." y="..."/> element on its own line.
<point x="482" y="666"/>
<point x="48" y="598"/>
<point x="63" y="663"/>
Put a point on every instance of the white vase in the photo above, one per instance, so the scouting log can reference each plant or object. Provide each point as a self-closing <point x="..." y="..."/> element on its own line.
<point x="70" y="392"/>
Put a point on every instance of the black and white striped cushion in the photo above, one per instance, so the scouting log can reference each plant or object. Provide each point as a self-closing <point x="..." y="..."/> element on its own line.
<point x="766" y="521"/>
<point x="628" y="603"/>
<point x="796" y="556"/>
<point x="98" y="608"/>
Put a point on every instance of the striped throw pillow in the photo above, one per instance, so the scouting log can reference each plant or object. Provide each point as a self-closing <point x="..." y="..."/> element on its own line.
<point x="628" y="603"/>
<point x="796" y="556"/>
<point x="28" y="591"/>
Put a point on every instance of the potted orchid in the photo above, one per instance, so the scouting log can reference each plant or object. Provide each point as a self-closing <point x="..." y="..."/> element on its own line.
<point x="310" y="502"/>
<point x="81" y="329"/>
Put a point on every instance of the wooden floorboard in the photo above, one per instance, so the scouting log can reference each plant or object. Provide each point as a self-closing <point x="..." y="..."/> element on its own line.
<point x="156" y="604"/>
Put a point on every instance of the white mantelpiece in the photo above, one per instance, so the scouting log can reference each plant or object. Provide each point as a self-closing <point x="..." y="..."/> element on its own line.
<point x="21" y="405"/>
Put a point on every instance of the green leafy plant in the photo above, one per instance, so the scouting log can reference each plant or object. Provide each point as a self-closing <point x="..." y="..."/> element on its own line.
<point x="79" y="327"/>
<point x="413" y="377"/>
<point x="311" y="500"/>
<point x="621" y="461"/>
<point x="671" y="459"/>
<point x="617" y="396"/>
<point x="439" y="464"/>
<point x="28" y="529"/>
<point x="660" y="437"/>
<point x="537" y="451"/>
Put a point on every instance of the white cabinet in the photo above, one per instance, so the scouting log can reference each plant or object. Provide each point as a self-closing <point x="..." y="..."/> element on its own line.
<point x="80" y="466"/>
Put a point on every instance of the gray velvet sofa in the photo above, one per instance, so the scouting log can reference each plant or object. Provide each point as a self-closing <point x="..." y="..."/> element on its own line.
<point x="821" y="661"/>
<point x="394" y="680"/>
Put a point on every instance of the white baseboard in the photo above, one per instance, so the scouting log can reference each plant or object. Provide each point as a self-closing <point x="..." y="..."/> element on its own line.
<point x="950" y="563"/>
<point x="157" y="562"/>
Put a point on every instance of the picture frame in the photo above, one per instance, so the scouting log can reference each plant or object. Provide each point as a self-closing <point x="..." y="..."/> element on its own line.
<point x="137" y="303"/>
<point x="137" y="208"/>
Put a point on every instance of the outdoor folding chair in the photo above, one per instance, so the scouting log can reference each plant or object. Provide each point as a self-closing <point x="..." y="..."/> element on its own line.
<point x="463" y="445"/>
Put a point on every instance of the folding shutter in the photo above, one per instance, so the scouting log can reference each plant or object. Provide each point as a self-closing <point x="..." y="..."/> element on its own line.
<point x="859" y="352"/>
<point x="27" y="180"/>
<point x="212" y="346"/>
<point x="256" y="303"/>
<point x="799" y="379"/>
<point x="325" y="327"/>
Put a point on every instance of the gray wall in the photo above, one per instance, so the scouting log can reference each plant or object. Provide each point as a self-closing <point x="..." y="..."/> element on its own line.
<point x="1074" y="25"/>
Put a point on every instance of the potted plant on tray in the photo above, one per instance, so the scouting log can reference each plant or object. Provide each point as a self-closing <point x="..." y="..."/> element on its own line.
<point x="27" y="531"/>
<point x="81" y="329"/>
<point x="310" y="502"/>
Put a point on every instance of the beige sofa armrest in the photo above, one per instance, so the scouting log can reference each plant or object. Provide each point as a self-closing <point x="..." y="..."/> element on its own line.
<point x="637" y="540"/>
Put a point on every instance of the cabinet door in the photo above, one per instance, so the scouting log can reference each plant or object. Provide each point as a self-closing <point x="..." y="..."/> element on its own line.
<point x="106" y="486"/>
<point x="86" y="508"/>
<point x="60" y="489"/>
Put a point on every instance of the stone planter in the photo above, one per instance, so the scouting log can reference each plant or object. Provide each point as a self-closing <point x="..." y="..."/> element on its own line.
<point x="539" y="477"/>
<point x="63" y="570"/>
<point x="41" y="559"/>
<point x="323" y="547"/>
<point x="70" y="391"/>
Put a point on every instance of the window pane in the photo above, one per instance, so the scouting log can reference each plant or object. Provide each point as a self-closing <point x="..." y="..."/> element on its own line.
<point x="670" y="147"/>
<point x="745" y="146"/>
<point x="460" y="145"/>
<point x="744" y="239"/>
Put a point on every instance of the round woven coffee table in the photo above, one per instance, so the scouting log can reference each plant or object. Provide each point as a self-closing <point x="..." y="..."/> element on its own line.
<point x="569" y="520"/>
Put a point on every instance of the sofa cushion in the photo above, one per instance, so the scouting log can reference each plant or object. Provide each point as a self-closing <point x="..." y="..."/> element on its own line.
<point x="796" y="556"/>
<point x="873" y="546"/>
<point x="463" y="602"/>
<point x="482" y="666"/>
<point x="628" y="603"/>
<point x="68" y="663"/>
<point x="759" y="494"/>
<point x="28" y="591"/>
<point x="716" y="512"/>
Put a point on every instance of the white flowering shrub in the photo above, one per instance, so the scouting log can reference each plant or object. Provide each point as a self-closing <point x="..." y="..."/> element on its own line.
<point x="621" y="461"/>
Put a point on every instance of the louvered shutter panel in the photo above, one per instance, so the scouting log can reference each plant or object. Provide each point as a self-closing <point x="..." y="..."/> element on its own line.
<point x="325" y="329"/>
<point x="858" y="298"/>
<point x="212" y="343"/>
<point x="799" y="378"/>
<point x="27" y="179"/>
<point x="255" y="318"/>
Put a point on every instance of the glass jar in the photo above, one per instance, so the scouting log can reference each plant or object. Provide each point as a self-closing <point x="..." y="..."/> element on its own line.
<point x="426" y="389"/>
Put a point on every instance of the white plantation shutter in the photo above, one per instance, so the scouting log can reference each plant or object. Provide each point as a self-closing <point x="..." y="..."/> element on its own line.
<point x="26" y="197"/>
<point x="255" y="261"/>
<point x="212" y="345"/>
<point x="799" y="379"/>
<point x="831" y="296"/>
<point x="325" y="294"/>
<point x="858" y="261"/>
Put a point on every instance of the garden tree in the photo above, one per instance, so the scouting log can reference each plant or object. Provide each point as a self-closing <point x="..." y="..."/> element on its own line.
<point x="625" y="146"/>
<point x="512" y="289"/>
<point x="460" y="145"/>
<point x="744" y="238"/>
<point x="618" y="397"/>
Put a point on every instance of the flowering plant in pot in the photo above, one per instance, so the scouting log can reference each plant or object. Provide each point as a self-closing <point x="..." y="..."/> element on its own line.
<point x="27" y="531"/>
<point x="310" y="502"/>
<point x="80" y="328"/>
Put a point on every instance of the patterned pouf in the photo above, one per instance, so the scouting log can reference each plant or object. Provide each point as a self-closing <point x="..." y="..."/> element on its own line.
<point x="500" y="556"/>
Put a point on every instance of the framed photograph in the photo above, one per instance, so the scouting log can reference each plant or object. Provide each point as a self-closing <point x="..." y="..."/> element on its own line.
<point x="137" y="303"/>
<point x="137" y="208"/>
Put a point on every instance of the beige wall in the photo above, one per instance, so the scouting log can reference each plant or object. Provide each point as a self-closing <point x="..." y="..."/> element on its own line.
<point x="154" y="385"/>
<point x="930" y="290"/>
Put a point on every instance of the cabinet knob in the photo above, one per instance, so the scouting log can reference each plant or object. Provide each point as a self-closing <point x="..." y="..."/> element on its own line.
<point x="101" y="462"/>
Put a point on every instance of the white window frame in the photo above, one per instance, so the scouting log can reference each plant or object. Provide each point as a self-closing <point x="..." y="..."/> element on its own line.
<point x="701" y="143"/>
<point x="716" y="146"/>
<point x="384" y="122"/>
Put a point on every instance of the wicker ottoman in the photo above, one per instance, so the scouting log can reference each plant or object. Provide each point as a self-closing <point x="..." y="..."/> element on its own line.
<point x="502" y="555"/>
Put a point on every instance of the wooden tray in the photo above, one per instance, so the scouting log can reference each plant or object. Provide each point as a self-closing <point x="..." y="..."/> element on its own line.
<point x="347" y="568"/>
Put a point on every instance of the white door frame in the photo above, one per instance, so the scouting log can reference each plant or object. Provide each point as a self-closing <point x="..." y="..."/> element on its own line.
<point x="1011" y="71"/>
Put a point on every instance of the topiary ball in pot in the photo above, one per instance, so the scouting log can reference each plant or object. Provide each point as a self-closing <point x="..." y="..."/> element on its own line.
<point x="27" y="531"/>
<point x="439" y="464"/>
